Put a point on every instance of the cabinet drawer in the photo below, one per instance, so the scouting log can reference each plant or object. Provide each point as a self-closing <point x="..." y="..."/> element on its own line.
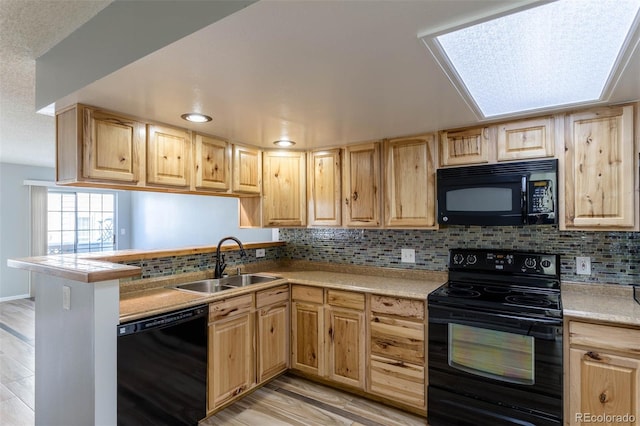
<point x="408" y="308"/>
<point x="398" y="339"/>
<point x="346" y="299"/>
<point x="605" y="336"/>
<point x="272" y="295"/>
<point x="398" y="381"/>
<point x="229" y="307"/>
<point x="307" y="294"/>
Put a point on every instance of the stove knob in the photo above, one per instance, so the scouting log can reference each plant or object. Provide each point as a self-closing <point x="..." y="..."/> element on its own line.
<point x="472" y="259"/>
<point x="530" y="262"/>
<point x="458" y="259"/>
<point x="545" y="263"/>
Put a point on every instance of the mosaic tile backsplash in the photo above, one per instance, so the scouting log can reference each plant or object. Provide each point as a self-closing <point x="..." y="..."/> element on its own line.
<point x="165" y="266"/>
<point x="615" y="256"/>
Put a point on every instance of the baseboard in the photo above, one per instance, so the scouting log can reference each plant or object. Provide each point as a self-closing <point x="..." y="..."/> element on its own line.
<point x="20" y="296"/>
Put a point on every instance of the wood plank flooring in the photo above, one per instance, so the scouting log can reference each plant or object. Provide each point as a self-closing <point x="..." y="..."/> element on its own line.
<point x="288" y="400"/>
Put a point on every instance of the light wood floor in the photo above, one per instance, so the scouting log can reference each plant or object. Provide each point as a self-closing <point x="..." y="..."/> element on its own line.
<point x="288" y="400"/>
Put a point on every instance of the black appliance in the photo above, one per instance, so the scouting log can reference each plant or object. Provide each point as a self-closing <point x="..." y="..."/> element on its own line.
<point x="520" y="193"/>
<point x="162" y="369"/>
<point x="495" y="341"/>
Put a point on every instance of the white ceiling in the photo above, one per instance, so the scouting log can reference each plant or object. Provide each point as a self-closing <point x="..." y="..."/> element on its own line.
<point x="321" y="72"/>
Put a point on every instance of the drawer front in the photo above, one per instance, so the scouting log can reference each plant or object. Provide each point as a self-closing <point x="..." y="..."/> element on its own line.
<point x="398" y="339"/>
<point x="408" y="308"/>
<point x="273" y="295"/>
<point x="307" y="293"/>
<point x="400" y="382"/>
<point x="604" y="336"/>
<point x="346" y="299"/>
<point x="229" y="307"/>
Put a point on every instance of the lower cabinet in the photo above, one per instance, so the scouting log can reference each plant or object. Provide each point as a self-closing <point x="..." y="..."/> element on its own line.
<point x="397" y="367"/>
<point x="604" y="375"/>
<point x="248" y="343"/>
<point x="307" y="330"/>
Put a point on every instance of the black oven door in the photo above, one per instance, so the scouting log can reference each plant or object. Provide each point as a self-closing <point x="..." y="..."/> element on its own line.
<point x="493" y="369"/>
<point x="481" y="200"/>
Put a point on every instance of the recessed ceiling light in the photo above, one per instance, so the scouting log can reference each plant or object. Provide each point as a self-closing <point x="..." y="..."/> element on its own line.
<point x="544" y="57"/>
<point x="284" y="143"/>
<point x="196" y="117"/>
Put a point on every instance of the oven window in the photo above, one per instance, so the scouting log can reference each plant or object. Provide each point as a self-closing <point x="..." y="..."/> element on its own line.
<point x="484" y="199"/>
<point x="490" y="353"/>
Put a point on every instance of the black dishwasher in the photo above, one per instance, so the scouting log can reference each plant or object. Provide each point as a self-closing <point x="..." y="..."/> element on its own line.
<point x="162" y="369"/>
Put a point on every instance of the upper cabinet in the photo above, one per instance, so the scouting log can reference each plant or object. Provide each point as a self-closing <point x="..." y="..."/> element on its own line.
<point x="520" y="140"/>
<point x="361" y="185"/>
<point x="94" y="145"/>
<point x="410" y="182"/>
<point x="212" y="163"/>
<point x="284" y="189"/>
<point x="468" y="146"/>
<point x="324" y="206"/>
<point x="601" y="170"/>
<point x="168" y="156"/>
<point x="247" y="170"/>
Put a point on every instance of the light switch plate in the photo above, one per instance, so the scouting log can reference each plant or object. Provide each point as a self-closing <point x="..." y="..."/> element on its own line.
<point x="583" y="265"/>
<point x="66" y="297"/>
<point x="260" y="253"/>
<point x="408" y="256"/>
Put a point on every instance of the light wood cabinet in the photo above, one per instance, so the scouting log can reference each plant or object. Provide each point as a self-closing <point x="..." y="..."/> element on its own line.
<point x="168" y="156"/>
<point x="410" y="182"/>
<point x="468" y="146"/>
<point x="231" y="350"/>
<point x="524" y="139"/>
<point x="95" y="145"/>
<point x="345" y="338"/>
<point x="247" y="170"/>
<point x="212" y="163"/>
<point x="604" y="374"/>
<point x="397" y="364"/>
<point x="272" y="332"/>
<point x="361" y="185"/>
<point x="284" y="189"/>
<point x="324" y="188"/>
<point x="307" y="330"/>
<point x="601" y="170"/>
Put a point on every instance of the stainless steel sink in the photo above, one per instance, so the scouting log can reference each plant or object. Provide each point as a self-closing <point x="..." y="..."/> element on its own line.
<point x="225" y="283"/>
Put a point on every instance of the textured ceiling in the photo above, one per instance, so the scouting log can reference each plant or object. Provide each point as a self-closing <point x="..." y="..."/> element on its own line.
<point x="29" y="28"/>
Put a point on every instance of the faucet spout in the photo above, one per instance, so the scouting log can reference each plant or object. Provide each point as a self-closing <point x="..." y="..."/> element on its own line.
<point x="220" y="265"/>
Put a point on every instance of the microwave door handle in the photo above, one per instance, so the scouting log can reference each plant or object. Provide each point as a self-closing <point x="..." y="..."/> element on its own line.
<point x="523" y="200"/>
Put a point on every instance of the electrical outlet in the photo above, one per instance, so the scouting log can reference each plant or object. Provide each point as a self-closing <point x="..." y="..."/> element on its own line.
<point x="408" y="256"/>
<point x="583" y="265"/>
<point x="66" y="297"/>
<point x="260" y="253"/>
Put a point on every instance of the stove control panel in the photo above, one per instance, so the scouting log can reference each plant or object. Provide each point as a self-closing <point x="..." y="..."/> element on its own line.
<point x="505" y="261"/>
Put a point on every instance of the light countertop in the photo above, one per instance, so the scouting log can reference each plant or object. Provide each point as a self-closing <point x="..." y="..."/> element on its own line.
<point x="600" y="302"/>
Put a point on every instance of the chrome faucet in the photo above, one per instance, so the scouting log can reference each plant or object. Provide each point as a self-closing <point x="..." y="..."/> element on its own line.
<point x="220" y="265"/>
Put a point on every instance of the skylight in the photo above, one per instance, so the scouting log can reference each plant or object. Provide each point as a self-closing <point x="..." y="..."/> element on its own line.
<point x="561" y="53"/>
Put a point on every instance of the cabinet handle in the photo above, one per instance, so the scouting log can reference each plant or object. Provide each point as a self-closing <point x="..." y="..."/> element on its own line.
<point x="603" y="397"/>
<point x="355" y="195"/>
<point x="346" y="201"/>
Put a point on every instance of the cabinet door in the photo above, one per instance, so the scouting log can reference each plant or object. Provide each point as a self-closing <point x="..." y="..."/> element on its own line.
<point x="113" y="146"/>
<point x="398" y="381"/>
<point x="525" y="139"/>
<point x="168" y="156"/>
<point x="470" y="146"/>
<point x="307" y="338"/>
<point x="284" y="189"/>
<point x="324" y="188"/>
<point x="600" y="170"/>
<point x="410" y="182"/>
<point x="212" y="163"/>
<point x="273" y="340"/>
<point x="361" y="185"/>
<point x="231" y="361"/>
<point x="603" y="384"/>
<point x="247" y="170"/>
<point x="345" y="346"/>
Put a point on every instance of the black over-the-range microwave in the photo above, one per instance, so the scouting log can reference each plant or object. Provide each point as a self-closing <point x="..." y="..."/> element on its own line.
<point x="520" y="193"/>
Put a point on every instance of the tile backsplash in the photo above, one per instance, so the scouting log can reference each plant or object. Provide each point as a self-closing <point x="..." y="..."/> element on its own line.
<point x="615" y="256"/>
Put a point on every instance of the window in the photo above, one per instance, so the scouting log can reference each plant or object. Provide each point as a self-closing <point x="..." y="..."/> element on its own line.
<point x="80" y="222"/>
